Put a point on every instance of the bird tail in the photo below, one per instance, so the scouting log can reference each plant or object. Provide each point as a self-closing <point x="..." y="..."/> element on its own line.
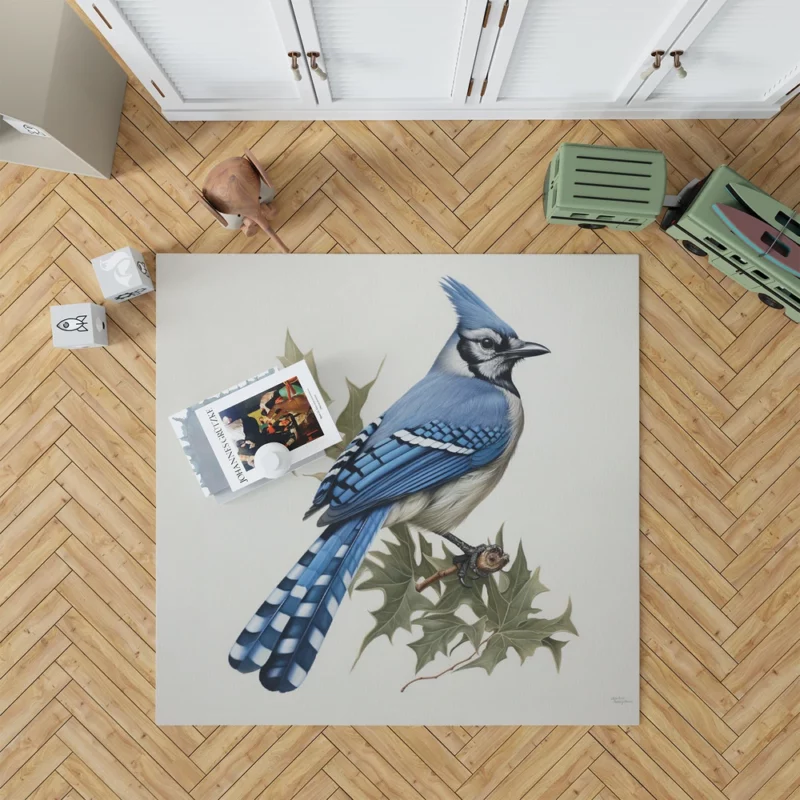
<point x="285" y="634"/>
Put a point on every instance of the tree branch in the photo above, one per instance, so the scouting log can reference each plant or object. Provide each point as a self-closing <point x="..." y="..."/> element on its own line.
<point x="442" y="573"/>
<point x="449" y="669"/>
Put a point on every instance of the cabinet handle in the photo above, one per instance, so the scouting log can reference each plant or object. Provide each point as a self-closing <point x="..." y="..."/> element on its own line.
<point x="294" y="65"/>
<point x="676" y="59"/>
<point x="315" y="68"/>
<point x="657" y="56"/>
<point x="102" y="17"/>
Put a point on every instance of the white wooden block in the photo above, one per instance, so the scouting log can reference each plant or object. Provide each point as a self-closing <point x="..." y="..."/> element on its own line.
<point x="79" y="325"/>
<point x="122" y="274"/>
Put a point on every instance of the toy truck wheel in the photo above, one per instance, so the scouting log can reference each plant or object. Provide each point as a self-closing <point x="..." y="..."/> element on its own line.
<point x="592" y="226"/>
<point x="769" y="301"/>
<point x="693" y="248"/>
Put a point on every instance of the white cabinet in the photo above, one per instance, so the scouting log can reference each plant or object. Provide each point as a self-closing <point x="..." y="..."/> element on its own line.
<point x="733" y="51"/>
<point x="209" y="56"/>
<point x="206" y="59"/>
<point x="392" y="53"/>
<point x="568" y="52"/>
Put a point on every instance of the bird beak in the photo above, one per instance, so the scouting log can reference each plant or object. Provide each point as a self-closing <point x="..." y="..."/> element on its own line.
<point x="526" y="350"/>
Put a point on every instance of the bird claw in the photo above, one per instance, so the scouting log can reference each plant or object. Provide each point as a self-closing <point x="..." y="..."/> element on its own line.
<point x="468" y="564"/>
<point x="478" y="562"/>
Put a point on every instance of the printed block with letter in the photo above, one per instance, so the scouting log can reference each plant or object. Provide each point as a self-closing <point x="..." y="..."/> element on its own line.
<point x="79" y="325"/>
<point x="122" y="274"/>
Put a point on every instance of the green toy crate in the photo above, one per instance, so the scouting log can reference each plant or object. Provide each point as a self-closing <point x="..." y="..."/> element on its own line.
<point x="701" y="231"/>
<point x="598" y="187"/>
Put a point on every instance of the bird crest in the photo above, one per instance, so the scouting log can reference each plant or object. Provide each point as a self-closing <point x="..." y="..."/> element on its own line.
<point x="472" y="312"/>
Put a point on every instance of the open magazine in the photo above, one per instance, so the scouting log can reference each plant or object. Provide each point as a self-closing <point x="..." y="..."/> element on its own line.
<point x="284" y="406"/>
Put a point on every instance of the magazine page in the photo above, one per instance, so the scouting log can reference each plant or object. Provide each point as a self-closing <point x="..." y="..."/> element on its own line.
<point x="284" y="407"/>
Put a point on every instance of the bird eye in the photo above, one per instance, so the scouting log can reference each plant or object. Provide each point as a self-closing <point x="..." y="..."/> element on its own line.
<point x="487" y="343"/>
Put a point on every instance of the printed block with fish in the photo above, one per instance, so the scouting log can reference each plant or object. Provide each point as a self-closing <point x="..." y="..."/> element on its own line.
<point x="79" y="325"/>
<point x="122" y="275"/>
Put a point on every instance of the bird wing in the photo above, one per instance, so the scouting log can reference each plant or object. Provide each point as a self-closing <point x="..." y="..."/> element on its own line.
<point x="409" y="460"/>
<point x="324" y="493"/>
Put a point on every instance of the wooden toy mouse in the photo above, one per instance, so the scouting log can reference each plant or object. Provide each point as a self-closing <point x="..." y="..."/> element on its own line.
<point x="237" y="192"/>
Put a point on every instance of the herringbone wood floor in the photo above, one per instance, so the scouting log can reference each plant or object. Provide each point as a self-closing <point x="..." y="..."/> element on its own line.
<point x="720" y="471"/>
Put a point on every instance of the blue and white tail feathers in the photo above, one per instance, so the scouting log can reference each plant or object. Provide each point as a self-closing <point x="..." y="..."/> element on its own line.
<point x="284" y="636"/>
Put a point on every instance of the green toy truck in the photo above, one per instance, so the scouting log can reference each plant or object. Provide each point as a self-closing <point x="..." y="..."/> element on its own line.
<point x="605" y="187"/>
<point x="610" y="187"/>
<point x="700" y="230"/>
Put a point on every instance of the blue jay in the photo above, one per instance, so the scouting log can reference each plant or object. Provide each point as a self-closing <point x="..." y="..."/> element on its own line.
<point x="428" y="460"/>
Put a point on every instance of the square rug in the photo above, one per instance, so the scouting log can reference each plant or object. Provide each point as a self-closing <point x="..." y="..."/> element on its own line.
<point x="499" y="399"/>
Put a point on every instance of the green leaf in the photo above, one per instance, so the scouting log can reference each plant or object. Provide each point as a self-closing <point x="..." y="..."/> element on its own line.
<point x="395" y="574"/>
<point x="463" y="640"/>
<point x="508" y="608"/>
<point x="561" y="623"/>
<point x="525" y="637"/>
<point x="335" y="450"/>
<point x="433" y="564"/>
<point x="555" y="646"/>
<point x="454" y="595"/>
<point x="363" y="569"/>
<point x="475" y="632"/>
<point x="492" y="655"/>
<point x="312" y="368"/>
<point x="498" y="540"/>
<point x="349" y="422"/>
<point x="292" y="354"/>
<point x="438" y="630"/>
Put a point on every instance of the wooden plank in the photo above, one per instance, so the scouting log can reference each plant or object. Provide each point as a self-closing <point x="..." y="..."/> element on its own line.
<point x="44" y="762"/>
<point x="92" y="759"/>
<point x="395" y="174"/>
<point x="681" y="554"/>
<point x="682" y="736"/>
<point x="297" y="144"/>
<point x="153" y="198"/>
<point x="30" y="230"/>
<point x="30" y="266"/>
<point x="91" y="570"/>
<point x="93" y="608"/>
<point x="476" y="133"/>
<point x="153" y="161"/>
<point x="103" y="473"/>
<point x="32" y="738"/>
<point x="246" y="134"/>
<point x="354" y="205"/>
<point x="129" y="463"/>
<point x="124" y="712"/>
<point x="120" y="743"/>
<point x="537" y="146"/>
<point x="685" y="663"/>
<point x="26" y="198"/>
<point x="761" y="403"/>
<point x="103" y="546"/>
<point x="384" y="198"/>
<point x="159" y="131"/>
<point x="12" y="176"/>
<point x="419" y="161"/>
<point x="437" y="143"/>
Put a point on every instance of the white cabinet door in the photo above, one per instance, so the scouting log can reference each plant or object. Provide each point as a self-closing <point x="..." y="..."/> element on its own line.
<point x="734" y="51"/>
<point x="390" y="54"/>
<point x="208" y="54"/>
<point x="574" y="53"/>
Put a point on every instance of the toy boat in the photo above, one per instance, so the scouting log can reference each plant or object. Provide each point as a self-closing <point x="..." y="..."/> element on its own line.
<point x="767" y="208"/>
<point x="761" y="237"/>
